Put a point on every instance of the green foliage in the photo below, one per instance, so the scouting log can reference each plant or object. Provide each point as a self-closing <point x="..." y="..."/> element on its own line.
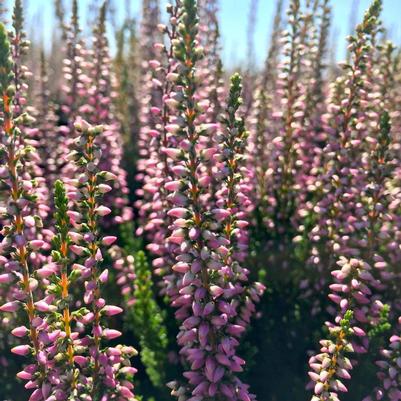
<point x="147" y="320"/>
<point x="383" y="326"/>
<point x="61" y="205"/>
<point x="5" y="61"/>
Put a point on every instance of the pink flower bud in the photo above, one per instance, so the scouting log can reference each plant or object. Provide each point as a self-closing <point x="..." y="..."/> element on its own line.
<point x="43" y="306"/>
<point x="220" y="214"/>
<point x="6" y="278"/>
<point x="102" y="210"/>
<point x="78" y="250"/>
<point x="20" y="331"/>
<point x="104" y="276"/>
<point x="110" y="334"/>
<point x="21" y="350"/>
<point x="178" y="212"/>
<point x="36" y="244"/>
<point x="111" y="310"/>
<point x="10" y="307"/>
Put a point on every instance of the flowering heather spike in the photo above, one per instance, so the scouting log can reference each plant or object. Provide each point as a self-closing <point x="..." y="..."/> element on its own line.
<point x="250" y="75"/>
<point x="104" y="367"/>
<point x="285" y="142"/>
<point x="61" y="242"/>
<point x="127" y="100"/>
<point x="19" y="47"/>
<point x="156" y="154"/>
<point x="332" y="362"/>
<point x="58" y="355"/>
<point x="261" y="126"/>
<point x="390" y="372"/>
<point x="211" y="88"/>
<point x="74" y="76"/>
<point x="99" y="111"/>
<point x="351" y="133"/>
<point x="270" y="66"/>
<point x="361" y="197"/>
<point x="19" y="200"/>
<point x="203" y="271"/>
<point x="309" y="136"/>
<point x="275" y="133"/>
<point x="50" y="143"/>
<point x="233" y="196"/>
<point x="319" y="61"/>
<point x="150" y="32"/>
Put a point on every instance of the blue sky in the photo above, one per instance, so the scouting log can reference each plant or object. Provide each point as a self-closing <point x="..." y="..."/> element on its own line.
<point x="234" y="23"/>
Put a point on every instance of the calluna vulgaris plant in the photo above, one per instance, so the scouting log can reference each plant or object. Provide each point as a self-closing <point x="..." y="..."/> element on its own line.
<point x="137" y="209"/>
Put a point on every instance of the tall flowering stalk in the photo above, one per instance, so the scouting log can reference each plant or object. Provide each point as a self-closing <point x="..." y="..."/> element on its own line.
<point x="104" y="368"/>
<point x="210" y="281"/>
<point x="249" y="76"/>
<point x="349" y="124"/>
<point x="18" y="246"/>
<point x="19" y="46"/>
<point x="356" y="283"/>
<point x="259" y="157"/>
<point x="127" y="101"/>
<point x="73" y="73"/>
<point x="50" y="147"/>
<point x="389" y="371"/>
<point x="62" y="255"/>
<point x="211" y="89"/>
<point x="99" y="110"/>
<point x="359" y="282"/>
<point x="285" y="141"/>
<point x="154" y="166"/>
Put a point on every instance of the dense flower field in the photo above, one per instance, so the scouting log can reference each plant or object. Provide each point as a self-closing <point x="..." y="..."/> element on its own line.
<point x="171" y="232"/>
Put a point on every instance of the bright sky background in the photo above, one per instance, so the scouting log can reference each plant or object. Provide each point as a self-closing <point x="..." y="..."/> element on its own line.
<point x="234" y="23"/>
